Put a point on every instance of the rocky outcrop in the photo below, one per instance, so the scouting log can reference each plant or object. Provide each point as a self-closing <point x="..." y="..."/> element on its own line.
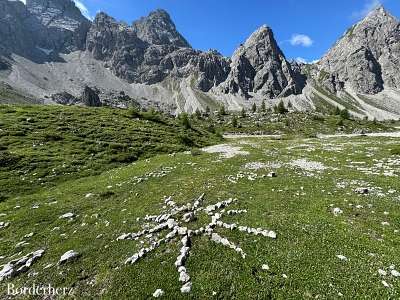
<point x="366" y="57"/>
<point x="65" y="98"/>
<point x="90" y="97"/>
<point x="41" y="27"/>
<point x="158" y="29"/>
<point x="13" y="34"/>
<point x="259" y="66"/>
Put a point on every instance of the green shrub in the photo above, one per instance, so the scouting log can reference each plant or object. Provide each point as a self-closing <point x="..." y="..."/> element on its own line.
<point x="395" y="151"/>
<point x="134" y="113"/>
<point x="234" y="122"/>
<point x="3" y="198"/>
<point x="184" y="120"/>
<point x="185" y="140"/>
<point x="52" y="137"/>
<point x="196" y="152"/>
<point x="123" y="158"/>
<point x="344" y="114"/>
<point x="281" y="109"/>
<point x="254" y="108"/>
<point x="106" y="195"/>
<point x="8" y="159"/>
<point x="152" y="115"/>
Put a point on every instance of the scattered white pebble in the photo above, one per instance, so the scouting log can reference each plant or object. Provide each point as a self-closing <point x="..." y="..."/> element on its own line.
<point x="342" y="257"/>
<point x="69" y="215"/>
<point x="265" y="267"/>
<point x="68" y="256"/>
<point x="382" y="272"/>
<point x="186" y="288"/>
<point x="385" y="284"/>
<point x="395" y="273"/>
<point x="158" y="293"/>
<point x="337" y="211"/>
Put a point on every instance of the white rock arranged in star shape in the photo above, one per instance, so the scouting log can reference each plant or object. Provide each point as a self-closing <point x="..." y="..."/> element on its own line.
<point x="385" y="284"/>
<point x="395" y="273"/>
<point x="382" y="272"/>
<point x="174" y="219"/>
<point x="158" y="293"/>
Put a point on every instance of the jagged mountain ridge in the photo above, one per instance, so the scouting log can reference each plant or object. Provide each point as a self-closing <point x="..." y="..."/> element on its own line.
<point x="54" y="50"/>
<point x="367" y="56"/>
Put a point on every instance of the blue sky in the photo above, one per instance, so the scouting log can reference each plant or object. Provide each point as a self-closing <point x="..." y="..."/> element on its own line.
<point x="303" y="28"/>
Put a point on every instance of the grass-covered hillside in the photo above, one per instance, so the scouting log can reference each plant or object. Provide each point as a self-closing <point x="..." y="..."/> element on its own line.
<point x="44" y="145"/>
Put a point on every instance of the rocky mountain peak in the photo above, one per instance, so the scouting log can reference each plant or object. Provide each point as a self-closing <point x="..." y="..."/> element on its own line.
<point x="158" y="29"/>
<point x="259" y="66"/>
<point x="365" y="58"/>
<point x="378" y="13"/>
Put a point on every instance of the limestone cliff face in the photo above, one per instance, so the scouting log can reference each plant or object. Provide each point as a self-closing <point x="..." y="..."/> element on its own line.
<point x="57" y="25"/>
<point x="259" y="66"/>
<point x="366" y="57"/>
<point x="151" y="50"/>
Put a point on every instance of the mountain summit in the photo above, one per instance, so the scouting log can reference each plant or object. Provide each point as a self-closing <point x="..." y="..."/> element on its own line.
<point x="51" y="53"/>
<point x="367" y="56"/>
<point x="158" y="29"/>
<point x="260" y="66"/>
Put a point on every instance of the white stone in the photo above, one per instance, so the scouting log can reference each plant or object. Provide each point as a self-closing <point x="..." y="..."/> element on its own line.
<point x="158" y="293"/>
<point x="185" y="289"/>
<point x="342" y="257"/>
<point x="395" y="273"/>
<point x="382" y="272"/>
<point x="265" y="267"/>
<point x="184" y="277"/>
<point x="68" y="257"/>
<point x="337" y="211"/>
<point x="67" y="216"/>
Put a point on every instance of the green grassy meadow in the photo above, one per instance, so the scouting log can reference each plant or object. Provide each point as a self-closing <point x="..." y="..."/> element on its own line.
<point x="315" y="176"/>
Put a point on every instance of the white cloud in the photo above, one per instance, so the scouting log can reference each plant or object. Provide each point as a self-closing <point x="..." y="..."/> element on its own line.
<point x="84" y="10"/>
<point x="369" y="6"/>
<point x="301" y="40"/>
<point x="23" y="1"/>
<point x="300" y="60"/>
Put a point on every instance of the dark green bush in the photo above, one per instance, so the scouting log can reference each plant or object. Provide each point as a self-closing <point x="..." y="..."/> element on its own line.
<point x="395" y="151"/>
<point x="8" y="159"/>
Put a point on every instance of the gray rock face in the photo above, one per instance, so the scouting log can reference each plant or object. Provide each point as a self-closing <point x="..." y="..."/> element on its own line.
<point x="64" y="98"/>
<point x="260" y="66"/>
<point x="57" y="24"/>
<point x="13" y="35"/>
<point x="53" y="25"/>
<point x="158" y="29"/>
<point x="90" y="97"/>
<point x="366" y="56"/>
<point x="151" y="50"/>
